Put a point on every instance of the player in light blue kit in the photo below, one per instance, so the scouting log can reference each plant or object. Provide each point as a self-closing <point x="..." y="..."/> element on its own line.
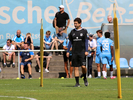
<point x="107" y="55"/>
<point x="98" y="51"/>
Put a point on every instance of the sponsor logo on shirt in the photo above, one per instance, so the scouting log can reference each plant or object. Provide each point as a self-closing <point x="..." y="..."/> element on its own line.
<point x="77" y="39"/>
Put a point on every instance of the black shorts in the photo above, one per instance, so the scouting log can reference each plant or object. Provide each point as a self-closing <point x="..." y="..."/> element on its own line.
<point x="79" y="60"/>
<point x="66" y="58"/>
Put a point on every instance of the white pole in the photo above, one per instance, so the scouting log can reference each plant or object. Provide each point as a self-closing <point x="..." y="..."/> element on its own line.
<point x="86" y="65"/>
<point x="18" y="64"/>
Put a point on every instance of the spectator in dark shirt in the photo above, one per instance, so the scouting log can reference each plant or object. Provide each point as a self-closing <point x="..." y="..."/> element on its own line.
<point x="29" y="40"/>
<point x="60" y="19"/>
<point x="25" y="60"/>
<point x="46" y="60"/>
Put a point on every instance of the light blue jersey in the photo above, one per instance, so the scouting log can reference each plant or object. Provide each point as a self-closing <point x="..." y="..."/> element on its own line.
<point x="106" y="51"/>
<point x="98" y="50"/>
<point x="99" y="40"/>
<point x="48" y="39"/>
<point x="106" y="45"/>
<point x="65" y="43"/>
<point x="18" y="39"/>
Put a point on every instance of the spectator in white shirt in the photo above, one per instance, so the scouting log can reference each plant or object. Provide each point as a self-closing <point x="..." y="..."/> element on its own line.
<point x="91" y="50"/>
<point x="7" y="56"/>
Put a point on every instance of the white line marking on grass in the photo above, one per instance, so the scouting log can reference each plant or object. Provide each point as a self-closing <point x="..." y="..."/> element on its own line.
<point x="5" y="84"/>
<point x="110" y="89"/>
<point x="21" y="90"/>
<point x="18" y="97"/>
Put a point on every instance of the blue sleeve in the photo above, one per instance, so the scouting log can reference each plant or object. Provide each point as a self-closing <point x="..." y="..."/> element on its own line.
<point x="22" y="38"/>
<point x="64" y="43"/>
<point x="86" y="45"/>
<point x="31" y="53"/>
<point x="66" y="35"/>
<point x="20" y="53"/>
<point x="56" y="35"/>
<point x="69" y="46"/>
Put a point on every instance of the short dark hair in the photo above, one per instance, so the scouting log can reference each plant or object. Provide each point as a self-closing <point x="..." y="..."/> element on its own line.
<point x="78" y="20"/>
<point x="9" y="40"/>
<point x="107" y="34"/>
<point x="27" y="43"/>
<point x="100" y="31"/>
<point x="48" y="32"/>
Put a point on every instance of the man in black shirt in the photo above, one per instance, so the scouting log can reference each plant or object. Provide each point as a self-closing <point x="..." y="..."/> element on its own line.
<point x="79" y="42"/>
<point x="60" y="19"/>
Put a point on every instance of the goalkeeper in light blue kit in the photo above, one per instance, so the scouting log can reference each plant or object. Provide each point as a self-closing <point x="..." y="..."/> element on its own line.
<point x="107" y="55"/>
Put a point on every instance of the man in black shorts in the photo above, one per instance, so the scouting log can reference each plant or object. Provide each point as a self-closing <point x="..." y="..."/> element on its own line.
<point x="79" y="42"/>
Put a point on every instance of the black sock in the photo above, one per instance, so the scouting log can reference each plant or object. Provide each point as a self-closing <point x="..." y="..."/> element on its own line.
<point x="77" y="80"/>
<point x="84" y="76"/>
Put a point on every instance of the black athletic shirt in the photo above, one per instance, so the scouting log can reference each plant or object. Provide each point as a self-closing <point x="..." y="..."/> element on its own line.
<point x="77" y="38"/>
<point x="44" y="54"/>
<point x="61" y="19"/>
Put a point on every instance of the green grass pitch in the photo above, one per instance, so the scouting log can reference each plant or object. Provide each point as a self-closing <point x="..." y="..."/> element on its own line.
<point x="62" y="89"/>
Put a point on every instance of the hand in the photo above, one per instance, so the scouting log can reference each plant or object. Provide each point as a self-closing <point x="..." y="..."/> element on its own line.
<point x="48" y="44"/>
<point x="26" y="60"/>
<point x="71" y="49"/>
<point x="18" y="45"/>
<point x="56" y="27"/>
<point x="61" y="41"/>
<point x="67" y="54"/>
<point x="89" y="48"/>
<point x="112" y="58"/>
<point x="86" y="53"/>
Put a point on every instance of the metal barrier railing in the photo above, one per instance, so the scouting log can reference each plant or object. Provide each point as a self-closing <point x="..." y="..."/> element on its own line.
<point x="18" y="51"/>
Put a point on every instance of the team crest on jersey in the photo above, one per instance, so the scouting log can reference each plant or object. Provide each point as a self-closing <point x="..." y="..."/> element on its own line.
<point x="73" y="34"/>
<point x="27" y="54"/>
<point x="81" y="34"/>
